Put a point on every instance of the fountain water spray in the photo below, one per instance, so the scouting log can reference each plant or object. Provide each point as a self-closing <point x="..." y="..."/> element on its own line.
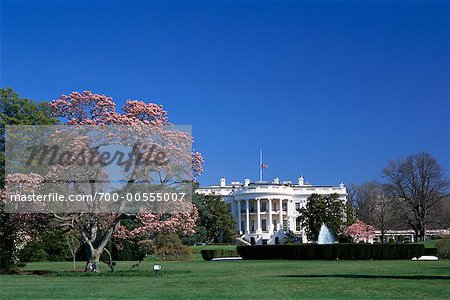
<point x="325" y="235"/>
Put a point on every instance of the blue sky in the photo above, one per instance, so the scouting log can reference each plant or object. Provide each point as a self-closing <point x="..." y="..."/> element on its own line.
<point x="331" y="90"/>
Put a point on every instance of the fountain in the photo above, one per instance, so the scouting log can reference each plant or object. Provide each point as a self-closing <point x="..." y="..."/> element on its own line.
<point x="325" y="236"/>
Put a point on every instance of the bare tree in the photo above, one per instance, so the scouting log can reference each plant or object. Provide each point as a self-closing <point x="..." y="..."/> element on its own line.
<point x="418" y="184"/>
<point x="356" y="196"/>
<point x="73" y="240"/>
<point x="375" y="207"/>
<point x="440" y="216"/>
<point x="351" y="204"/>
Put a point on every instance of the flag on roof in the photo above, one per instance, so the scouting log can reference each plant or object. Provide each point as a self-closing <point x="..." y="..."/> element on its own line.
<point x="264" y="166"/>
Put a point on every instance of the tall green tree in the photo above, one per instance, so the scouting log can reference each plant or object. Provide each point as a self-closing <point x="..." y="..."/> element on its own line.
<point x="16" y="229"/>
<point x="351" y="205"/>
<point x="215" y="223"/>
<point x="323" y="209"/>
<point x="15" y="110"/>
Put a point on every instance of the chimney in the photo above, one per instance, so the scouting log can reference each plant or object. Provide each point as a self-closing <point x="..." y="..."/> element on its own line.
<point x="276" y="180"/>
<point x="223" y="181"/>
<point x="247" y="182"/>
<point x="300" y="180"/>
<point x="341" y="185"/>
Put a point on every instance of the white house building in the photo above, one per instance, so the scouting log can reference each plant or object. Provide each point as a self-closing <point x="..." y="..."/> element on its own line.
<point x="264" y="211"/>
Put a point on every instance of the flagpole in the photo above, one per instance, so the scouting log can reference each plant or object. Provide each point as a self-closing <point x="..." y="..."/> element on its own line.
<point x="260" y="165"/>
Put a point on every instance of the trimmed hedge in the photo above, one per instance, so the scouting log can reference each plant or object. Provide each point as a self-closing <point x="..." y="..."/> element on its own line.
<point x="332" y="251"/>
<point x="210" y="254"/>
<point x="431" y="251"/>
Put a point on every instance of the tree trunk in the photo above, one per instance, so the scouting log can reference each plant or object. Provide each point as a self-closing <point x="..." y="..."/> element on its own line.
<point x="90" y="237"/>
<point x="110" y="262"/>
<point x="422" y="234"/>
<point x="93" y="260"/>
<point x="416" y="235"/>
<point x="93" y="254"/>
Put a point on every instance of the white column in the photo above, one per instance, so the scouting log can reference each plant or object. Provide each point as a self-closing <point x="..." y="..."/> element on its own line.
<point x="258" y="215"/>
<point x="247" y="216"/>
<point x="270" y="216"/>
<point x="290" y="213"/>
<point x="238" y="204"/>
<point x="287" y="216"/>
<point x="280" y="216"/>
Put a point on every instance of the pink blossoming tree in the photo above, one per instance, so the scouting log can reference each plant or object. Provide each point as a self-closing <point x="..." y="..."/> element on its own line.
<point x="97" y="229"/>
<point x="360" y="232"/>
<point x="17" y="229"/>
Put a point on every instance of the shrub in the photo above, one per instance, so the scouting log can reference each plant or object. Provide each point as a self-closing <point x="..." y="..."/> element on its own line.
<point x="50" y="245"/>
<point x="443" y="248"/>
<point x="33" y="251"/>
<point x="210" y="254"/>
<point x="169" y="247"/>
<point x="126" y="250"/>
<point x="332" y="251"/>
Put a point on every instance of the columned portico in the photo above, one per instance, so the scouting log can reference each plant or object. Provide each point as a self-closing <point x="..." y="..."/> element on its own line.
<point x="256" y="210"/>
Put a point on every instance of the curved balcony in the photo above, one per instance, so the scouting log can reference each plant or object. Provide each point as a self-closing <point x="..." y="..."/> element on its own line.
<point x="272" y="190"/>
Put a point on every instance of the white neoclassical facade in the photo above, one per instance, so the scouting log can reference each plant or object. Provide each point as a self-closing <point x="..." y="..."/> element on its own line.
<point x="265" y="210"/>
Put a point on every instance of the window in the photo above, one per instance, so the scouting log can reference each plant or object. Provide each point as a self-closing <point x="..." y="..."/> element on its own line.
<point x="298" y="225"/>
<point x="252" y="225"/>
<point x="297" y="205"/>
<point x="284" y="206"/>
<point x="263" y="206"/>
<point x="285" y="225"/>
<point x="263" y="225"/>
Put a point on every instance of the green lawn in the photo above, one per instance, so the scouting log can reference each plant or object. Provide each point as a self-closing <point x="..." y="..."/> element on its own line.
<point x="237" y="279"/>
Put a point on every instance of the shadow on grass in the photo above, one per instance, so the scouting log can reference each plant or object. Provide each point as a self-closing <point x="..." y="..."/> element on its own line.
<point x="414" y="277"/>
<point x="80" y="273"/>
